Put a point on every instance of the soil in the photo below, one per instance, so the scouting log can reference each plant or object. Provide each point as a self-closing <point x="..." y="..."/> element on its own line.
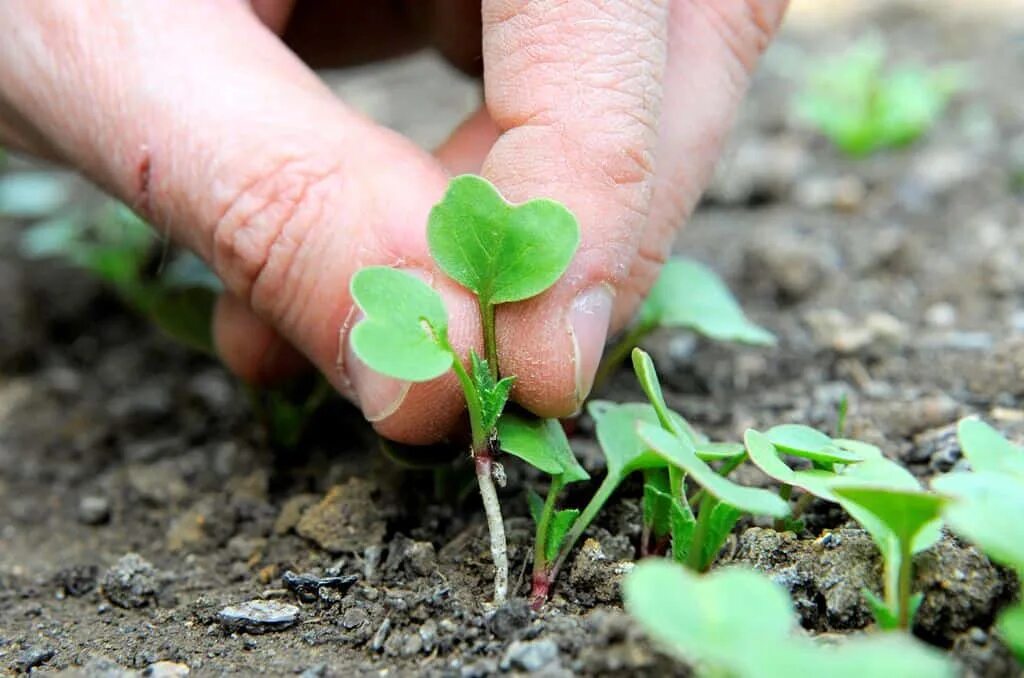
<point x="148" y="527"/>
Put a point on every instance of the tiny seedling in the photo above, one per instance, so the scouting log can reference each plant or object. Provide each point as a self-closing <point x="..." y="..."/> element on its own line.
<point x="862" y="105"/>
<point x="691" y="296"/>
<point x="502" y="253"/>
<point x="738" y="623"/>
<point x="906" y="514"/>
<point x="842" y="463"/>
<point x="543" y="444"/>
<point x="987" y="507"/>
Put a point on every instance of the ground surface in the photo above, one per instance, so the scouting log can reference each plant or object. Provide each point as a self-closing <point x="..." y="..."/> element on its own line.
<point x="896" y="281"/>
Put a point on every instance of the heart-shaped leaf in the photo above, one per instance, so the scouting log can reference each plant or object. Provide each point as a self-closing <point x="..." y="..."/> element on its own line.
<point x="501" y="252"/>
<point x="766" y="457"/>
<point x="988" y="450"/>
<point x="404" y="331"/>
<point x="988" y="510"/>
<point x="679" y="453"/>
<point x="541" y="443"/>
<point x="689" y="294"/>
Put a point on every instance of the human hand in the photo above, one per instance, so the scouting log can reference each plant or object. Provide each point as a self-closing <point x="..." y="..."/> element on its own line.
<point x="201" y="118"/>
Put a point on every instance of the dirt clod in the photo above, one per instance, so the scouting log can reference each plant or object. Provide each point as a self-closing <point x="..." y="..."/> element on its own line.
<point x="346" y="520"/>
<point x="132" y="582"/>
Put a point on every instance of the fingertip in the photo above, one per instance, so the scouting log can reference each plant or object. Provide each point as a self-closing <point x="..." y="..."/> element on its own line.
<point x="250" y="348"/>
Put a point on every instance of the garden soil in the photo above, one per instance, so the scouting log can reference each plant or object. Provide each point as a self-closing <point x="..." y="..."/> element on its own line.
<point x="149" y="527"/>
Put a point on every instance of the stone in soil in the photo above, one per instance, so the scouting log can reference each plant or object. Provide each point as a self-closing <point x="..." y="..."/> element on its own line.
<point x="33" y="656"/>
<point x="93" y="510"/>
<point x="258" y="616"/>
<point x="531" y="656"/>
<point x="132" y="582"/>
<point x="309" y="587"/>
<point x="346" y="520"/>
<point x="77" y="580"/>
<point x="414" y="558"/>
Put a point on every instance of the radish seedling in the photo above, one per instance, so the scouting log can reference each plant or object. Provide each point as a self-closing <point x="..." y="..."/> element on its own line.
<point x="739" y="623"/>
<point x="500" y="252"/>
<point x="987" y="508"/>
<point x="862" y="106"/>
<point x="850" y="463"/>
<point x="687" y="295"/>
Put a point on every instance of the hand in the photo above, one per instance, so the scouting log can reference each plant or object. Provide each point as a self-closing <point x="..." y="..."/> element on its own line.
<point x="198" y="115"/>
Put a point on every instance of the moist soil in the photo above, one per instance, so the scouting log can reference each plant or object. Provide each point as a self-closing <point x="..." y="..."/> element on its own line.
<point x="148" y="524"/>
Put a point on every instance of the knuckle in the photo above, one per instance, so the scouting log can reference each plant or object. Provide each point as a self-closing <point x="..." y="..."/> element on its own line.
<point x="262" y="224"/>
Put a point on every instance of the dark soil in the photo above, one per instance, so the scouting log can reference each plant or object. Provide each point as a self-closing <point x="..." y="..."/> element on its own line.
<point x="140" y="497"/>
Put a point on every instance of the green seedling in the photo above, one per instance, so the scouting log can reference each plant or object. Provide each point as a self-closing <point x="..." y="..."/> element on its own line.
<point x="906" y="514"/>
<point x="543" y="444"/>
<point x="502" y="253"/>
<point x="987" y="507"/>
<point x="691" y="296"/>
<point x="837" y="463"/>
<point x="739" y="623"/>
<point x="118" y="247"/>
<point x="862" y="105"/>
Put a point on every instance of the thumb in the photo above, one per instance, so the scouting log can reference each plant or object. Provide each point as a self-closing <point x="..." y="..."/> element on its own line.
<point x="575" y="88"/>
<point x="200" y="118"/>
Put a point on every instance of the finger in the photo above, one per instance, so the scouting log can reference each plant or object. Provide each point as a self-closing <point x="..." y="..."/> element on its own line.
<point x="713" y="49"/>
<point x="575" y="88"/>
<point x="198" y="116"/>
<point x="251" y="348"/>
<point x="464" y="151"/>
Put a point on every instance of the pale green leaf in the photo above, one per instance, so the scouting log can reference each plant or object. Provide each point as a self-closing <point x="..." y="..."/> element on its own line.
<point x="1011" y="629"/>
<point x="31" y="195"/>
<point x="689" y="294"/>
<point x="500" y="251"/>
<point x="988" y="510"/>
<point x="988" y="450"/>
<point x="679" y="453"/>
<point x="905" y="513"/>
<point x="561" y="521"/>
<point x="491" y="395"/>
<point x="806" y="442"/>
<point x="403" y="333"/>
<point x="541" y="443"/>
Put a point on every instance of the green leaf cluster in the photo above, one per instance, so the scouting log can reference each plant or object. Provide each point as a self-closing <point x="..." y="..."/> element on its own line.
<point x="862" y="105"/>
<point x="716" y="621"/>
<point x="987" y="509"/>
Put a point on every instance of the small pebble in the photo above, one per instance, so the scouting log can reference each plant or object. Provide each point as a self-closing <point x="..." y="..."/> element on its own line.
<point x="530" y="655"/>
<point x="33" y="656"/>
<point x="258" y="616"/>
<point x="93" y="510"/>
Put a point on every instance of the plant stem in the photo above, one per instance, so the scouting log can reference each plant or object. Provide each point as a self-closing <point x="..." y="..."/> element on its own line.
<point x="905" y="583"/>
<point x="695" y="559"/>
<point x="604" y="492"/>
<point x="785" y="492"/>
<point x="495" y="525"/>
<point x="482" y="461"/>
<point x="490" y="337"/>
<point x="541" y="579"/>
<point x="617" y="354"/>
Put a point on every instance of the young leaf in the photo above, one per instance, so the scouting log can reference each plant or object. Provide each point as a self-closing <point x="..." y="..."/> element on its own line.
<point x="1011" y="630"/>
<point x="657" y="502"/>
<point x="739" y="623"/>
<point x="683" y="524"/>
<point x="905" y="513"/>
<point x="716" y="451"/>
<point x="623" y="450"/>
<point x="988" y="510"/>
<point x="186" y="314"/>
<point x="651" y="385"/>
<point x="987" y="449"/>
<point x="500" y="251"/>
<point x="404" y="333"/>
<point x="541" y="443"/>
<point x="535" y="504"/>
<point x="689" y="294"/>
<point x="678" y="453"/>
<point x="723" y="519"/>
<point x="766" y="457"/>
<point x="492" y="395"/>
<point x="887" y="618"/>
<point x="806" y="442"/>
<point x="560" y="524"/>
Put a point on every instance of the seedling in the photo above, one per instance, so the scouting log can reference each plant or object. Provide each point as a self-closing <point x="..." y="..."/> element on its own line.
<point x="739" y="623"/>
<point x="687" y="295"/>
<point x="862" y="106"/>
<point x="543" y="444"/>
<point x="500" y="252"/>
<point x="988" y="506"/>
<point x="843" y="463"/>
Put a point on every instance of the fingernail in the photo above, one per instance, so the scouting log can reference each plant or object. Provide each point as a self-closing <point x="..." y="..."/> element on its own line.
<point x="377" y="395"/>
<point x="589" y="317"/>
